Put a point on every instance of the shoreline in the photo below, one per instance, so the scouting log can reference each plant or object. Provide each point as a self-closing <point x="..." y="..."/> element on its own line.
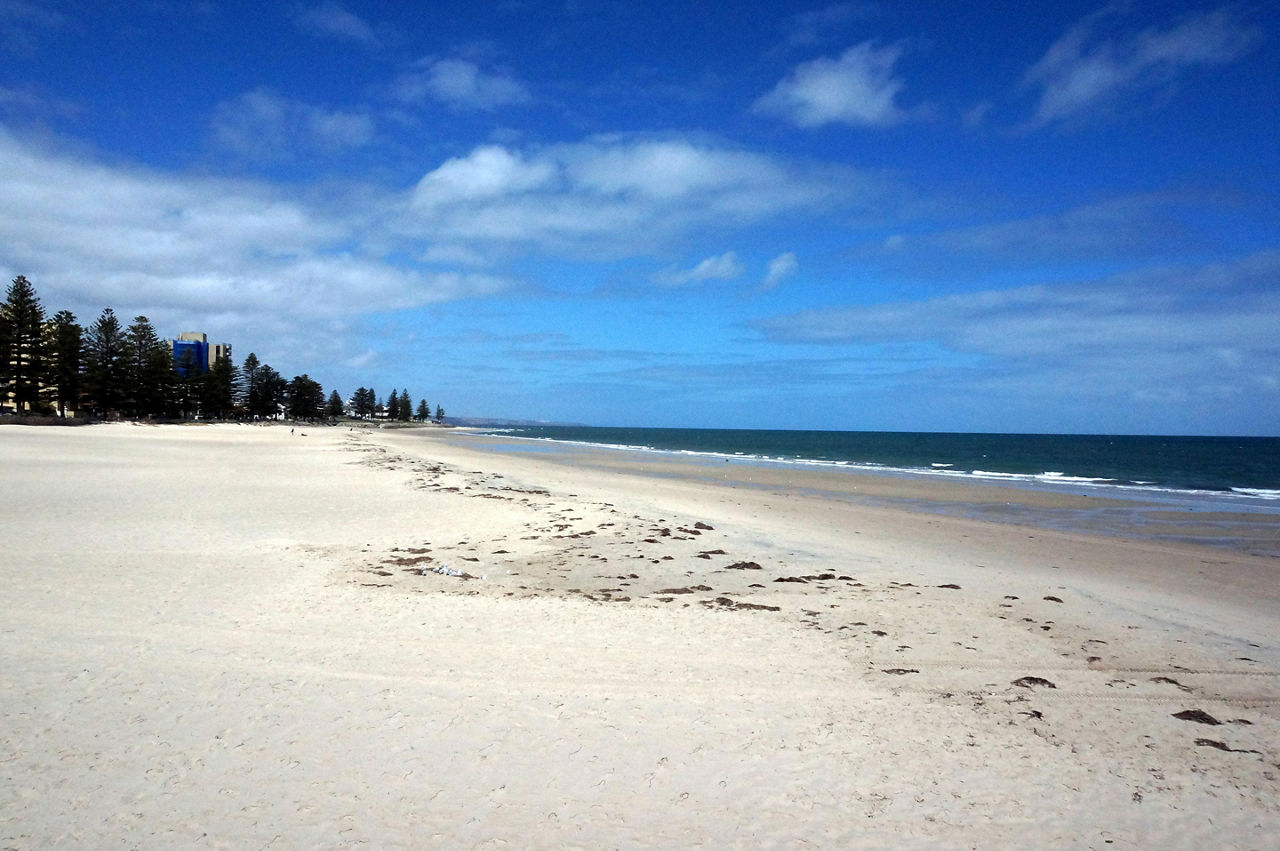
<point x="923" y="456"/>
<point x="1184" y="579"/>
<point x="1243" y="524"/>
<point x="234" y="635"/>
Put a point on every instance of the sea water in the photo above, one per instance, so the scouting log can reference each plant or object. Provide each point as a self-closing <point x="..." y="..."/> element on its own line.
<point x="1246" y="469"/>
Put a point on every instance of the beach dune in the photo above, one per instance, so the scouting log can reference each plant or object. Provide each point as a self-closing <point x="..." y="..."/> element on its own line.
<point x="239" y="636"/>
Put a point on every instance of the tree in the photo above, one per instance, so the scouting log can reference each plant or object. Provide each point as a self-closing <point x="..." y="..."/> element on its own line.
<point x="405" y="412"/>
<point x="306" y="398"/>
<point x="249" y="382"/>
<point x="393" y="406"/>
<point x="424" y="412"/>
<point x="22" y="344"/>
<point x="439" y="414"/>
<point x="65" y="346"/>
<point x="263" y="388"/>
<point x="335" y="405"/>
<point x="105" y="364"/>
<point x="272" y="393"/>
<point x="148" y="369"/>
<point x="220" y="389"/>
<point x="364" y="401"/>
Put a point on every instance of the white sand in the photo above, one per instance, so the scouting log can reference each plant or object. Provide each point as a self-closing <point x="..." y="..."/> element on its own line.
<point x="220" y="636"/>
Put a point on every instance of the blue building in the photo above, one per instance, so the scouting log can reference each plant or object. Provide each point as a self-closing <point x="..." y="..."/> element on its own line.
<point x="193" y="354"/>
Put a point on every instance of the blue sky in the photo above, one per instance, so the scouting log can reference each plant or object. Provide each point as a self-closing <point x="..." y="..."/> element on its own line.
<point x="916" y="216"/>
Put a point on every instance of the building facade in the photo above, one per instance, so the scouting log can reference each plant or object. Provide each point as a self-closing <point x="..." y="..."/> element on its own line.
<point x="193" y="354"/>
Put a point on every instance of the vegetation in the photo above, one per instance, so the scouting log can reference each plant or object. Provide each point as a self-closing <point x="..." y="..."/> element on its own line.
<point x="108" y="370"/>
<point x="22" y="344"/>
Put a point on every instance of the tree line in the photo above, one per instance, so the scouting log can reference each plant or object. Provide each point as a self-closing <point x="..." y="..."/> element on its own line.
<point x="50" y="365"/>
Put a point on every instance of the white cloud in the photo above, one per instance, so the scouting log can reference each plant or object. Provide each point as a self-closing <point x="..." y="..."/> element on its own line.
<point x="283" y="266"/>
<point x="1082" y="71"/>
<point x="487" y="172"/>
<point x="667" y="169"/>
<point x="263" y="125"/>
<point x="460" y="83"/>
<point x="613" y="195"/>
<point x="858" y="88"/>
<point x="1126" y="332"/>
<point x="722" y="267"/>
<point x="246" y="255"/>
<point x="781" y="267"/>
<point x="330" y="19"/>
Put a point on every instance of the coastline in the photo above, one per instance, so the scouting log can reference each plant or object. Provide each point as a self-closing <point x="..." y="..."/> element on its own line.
<point x="1240" y="467"/>
<point x="1248" y="525"/>
<point x="234" y="633"/>
<point x="821" y="515"/>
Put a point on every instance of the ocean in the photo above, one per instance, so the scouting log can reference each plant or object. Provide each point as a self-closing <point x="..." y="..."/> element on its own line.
<point x="1245" y="469"/>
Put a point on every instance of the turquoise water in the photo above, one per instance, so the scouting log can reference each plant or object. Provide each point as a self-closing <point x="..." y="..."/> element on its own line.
<point x="1245" y="467"/>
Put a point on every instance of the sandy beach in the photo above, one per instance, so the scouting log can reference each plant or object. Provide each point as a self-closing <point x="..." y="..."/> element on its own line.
<point x="241" y="636"/>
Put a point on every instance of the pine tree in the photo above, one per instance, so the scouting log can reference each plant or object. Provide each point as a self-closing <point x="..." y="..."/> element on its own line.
<point x="439" y="414"/>
<point x="263" y="389"/>
<point x="105" y="364"/>
<point x="249" y="389"/>
<point x="65" y="347"/>
<point x="405" y="412"/>
<point x="306" y="398"/>
<point x="220" y="389"/>
<point x="272" y="393"/>
<point x="148" y="369"/>
<point x="368" y="402"/>
<point x="424" y="412"/>
<point x="22" y="345"/>
<point x="335" y="405"/>
<point x="358" y="403"/>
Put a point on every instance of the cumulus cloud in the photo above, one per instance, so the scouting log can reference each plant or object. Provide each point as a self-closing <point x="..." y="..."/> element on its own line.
<point x="612" y="195"/>
<point x="181" y="248"/>
<point x="279" y="265"/>
<point x="666" y="169"/>
<point x="461" y="84"/>
<point x="781" y="267"/>
<point x="263" y="125"/>
<point x="1087" y="68"/>
<point x="722" y="267"/>
<point x="487" y="172"/>
<point x="857" y="88"/>
<point x="330" y="19"/>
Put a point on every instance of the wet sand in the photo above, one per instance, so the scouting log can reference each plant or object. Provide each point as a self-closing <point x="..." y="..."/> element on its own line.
<point x="1252" y="526"/>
